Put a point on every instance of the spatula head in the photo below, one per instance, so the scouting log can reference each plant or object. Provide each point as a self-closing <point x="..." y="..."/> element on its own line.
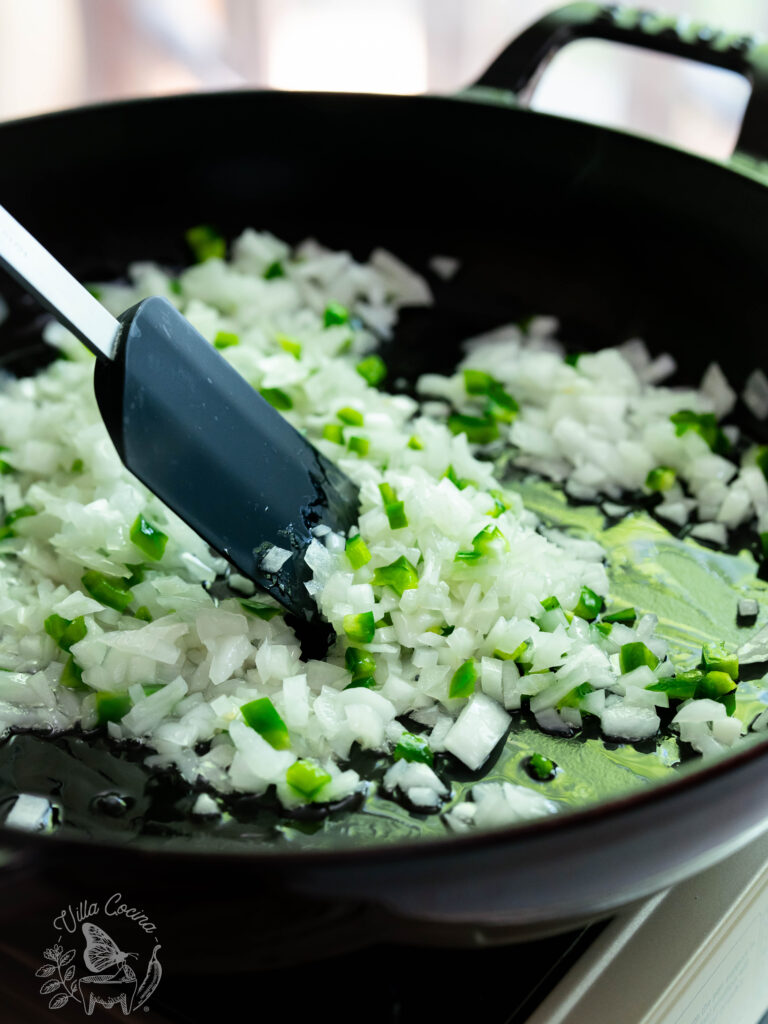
<point x="200" y="437"/>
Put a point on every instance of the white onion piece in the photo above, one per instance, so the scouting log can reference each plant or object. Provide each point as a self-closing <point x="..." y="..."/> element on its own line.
<point x="477" y="730"/>
<point x="755" y="394"/>
<point x="30" y="813"/>
<point x="715" y="386"/>
<point x="629" y="722"/>
<point x="702" y="710"/>
<point x="205" y="806"/>
<point x="502" y="803"/>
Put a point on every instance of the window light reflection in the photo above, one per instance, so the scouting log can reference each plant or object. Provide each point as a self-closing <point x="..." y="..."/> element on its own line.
<point x="348" y="47"/>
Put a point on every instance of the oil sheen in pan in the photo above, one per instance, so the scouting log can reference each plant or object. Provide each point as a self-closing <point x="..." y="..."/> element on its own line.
<point x="106" y="792"/>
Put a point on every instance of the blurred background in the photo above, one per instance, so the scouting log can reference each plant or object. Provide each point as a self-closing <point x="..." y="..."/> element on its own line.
<point x="58" y="53"/>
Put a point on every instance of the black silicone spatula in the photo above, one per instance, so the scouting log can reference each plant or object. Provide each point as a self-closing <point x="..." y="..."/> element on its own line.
<point x="188" y="426"/>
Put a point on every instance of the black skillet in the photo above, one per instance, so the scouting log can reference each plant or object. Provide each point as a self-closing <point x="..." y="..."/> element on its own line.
<point x="616" y="235"/>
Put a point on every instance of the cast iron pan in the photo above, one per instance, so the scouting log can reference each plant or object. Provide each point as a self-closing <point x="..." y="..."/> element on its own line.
<point x="615" y="235"/>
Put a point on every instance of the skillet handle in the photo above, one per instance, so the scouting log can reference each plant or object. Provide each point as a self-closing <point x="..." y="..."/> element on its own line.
<point x="519" y="67"/>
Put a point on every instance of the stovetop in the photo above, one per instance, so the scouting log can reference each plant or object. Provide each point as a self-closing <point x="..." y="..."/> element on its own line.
<point x="697" y="954"/>
<point x="383" y="984"/>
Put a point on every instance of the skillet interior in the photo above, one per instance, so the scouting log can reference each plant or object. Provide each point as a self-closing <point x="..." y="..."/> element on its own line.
<point x="614" y="235"/>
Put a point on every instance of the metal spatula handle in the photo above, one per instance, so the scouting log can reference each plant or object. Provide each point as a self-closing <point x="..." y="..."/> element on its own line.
<point x="34" y="267"/>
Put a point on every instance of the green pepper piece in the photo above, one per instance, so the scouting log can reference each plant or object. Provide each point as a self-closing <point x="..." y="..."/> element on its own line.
<point x="55" y="626"/>
<point x="77" y="466"/>
<point x="5" y="467"/>
<point x="396" y="515"/>
<point x="333" y="432"/>
<point x="705" y="424"/>
<point x="137" y="574"/>
<point x="683" y="686"/>
<point x="394" y="509"/>
<point x="111" y="707"/>
<point x="226" y="339"/>
<point x="627" y="616"/>
<point x="603" y="628"/>
<point x="589" y="606"/>
<point x="150" y="688"/>
<point x="277" y="398"/>
<point x="22" y="512"/>
<point x="459" y="482"/>
<point x="335" y="314"/>
<point x="352" y="417"/>
<point x="74" y="633"/>
<point x="715" y="684"/>
<point x="660" y="479"/>
<point x="463" y="680"/>
<point x="364" y="682"/>
<point x="467" y="556"/>
<point x="65" y="632"/>
<point x="148" y="539"/>
<point x="573" y="698"/>
<point x="500" y="504"/>
<point x="372" y="369"/>
<point x="634" y="655"/>
<point x="143" y="613"/>
<point x="550" y="603"/>
<point x="728" y="700"/>
<point x="479" y="430"/>
<point x="415" y="444"/>
<point x="718" y="658"/>
<point x="412" y="747"/>
<point x="400" y="575"/>
<point x="540" y="767"/>
<point x="359" y="445"/>
<point x="274" y="270"/>
<point x="287" y="344"/>
<point x="489" y="541"/>
<point x="72" y="675"/>
<point x="357" y="551"/>
<point x="501" y="405"/>
<point x="109" y="590"/>
<point x="360" y="664"/>
<point x="206" y="243"/>
<point x="518" y="652"/>
<point x="307" y="778"/>
<point x="260" y="610"/>
<point x="478" y="382"/>
<point x="262" y="716"/>
<point x="360" y="627"/>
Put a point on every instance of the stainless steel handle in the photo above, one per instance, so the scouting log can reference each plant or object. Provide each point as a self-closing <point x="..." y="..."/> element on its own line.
<point x="34" y="267"/>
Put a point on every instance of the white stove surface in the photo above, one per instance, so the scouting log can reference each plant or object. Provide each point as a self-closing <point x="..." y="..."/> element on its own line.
<point x="695" y="954"/>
